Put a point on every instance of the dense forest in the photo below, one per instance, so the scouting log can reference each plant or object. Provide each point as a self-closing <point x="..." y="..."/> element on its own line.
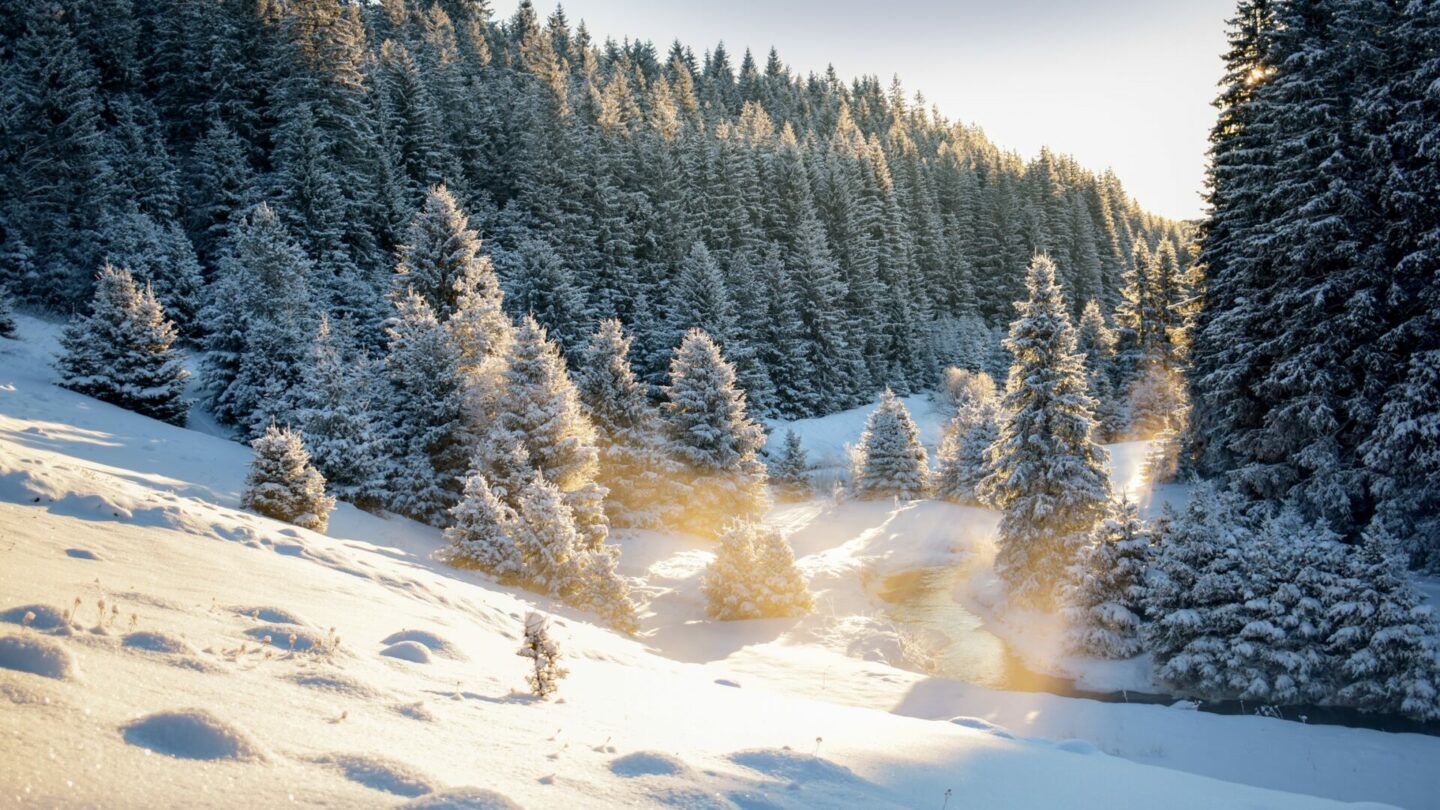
<point x="835" y="238"/>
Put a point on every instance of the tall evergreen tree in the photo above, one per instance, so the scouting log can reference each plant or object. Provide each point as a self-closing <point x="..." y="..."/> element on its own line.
<point x="122" y="351"/>
<point x="1046" y="473"/>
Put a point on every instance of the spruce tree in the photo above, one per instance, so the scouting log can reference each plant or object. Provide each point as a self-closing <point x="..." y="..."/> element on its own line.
<point x="160" y="256"/>
<point x="1095" y="340"/>
<point x="782" y="586"/>
<point x="635" y="464"/>
<point x="714" y="438"/>
<point x="7" y="314"/>
<point x="336" y="409"/>
<point x="483" y="532"/>
<point x="123" y="351"/>
<point x="754" y="576"/>
<point x="1107" y="600"/>
<point x="283" y="485"/>
<point x="440" y="252"/>
<point x="544" y="654"/>
<point x="890" y="462"/>
<point x="1384" y="640"/>
<point x="1046" y="472"/>
<point x="791" y="472"/>
<point x="428" y="440"/>
<point x="966" y="442"/>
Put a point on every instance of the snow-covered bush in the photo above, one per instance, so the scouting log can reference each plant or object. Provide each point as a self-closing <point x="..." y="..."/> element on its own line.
<point x="754" y="576"/>
<point x="544" y="654"/>
<point x="482" y="535"/>
<point x="123" y="351"/>
<point x="283" y="485"/>
<point x="1107" y="597"/>
<point x="890" y="461"/>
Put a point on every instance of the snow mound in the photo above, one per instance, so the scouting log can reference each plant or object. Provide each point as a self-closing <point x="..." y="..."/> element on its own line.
<point x="271" y="615"/>
<point x="431" y="641"/>
<point x="823" y="783"/>
<point x="465" y="798"/>
<point x="415" y="711"/>
<point x="46" y="617"/>
<point x="647" y="763"/>
<point x="983" y="725"/>
<point x="1077" y="747"/>
<point x="331" y="682"/>
<point x="83" y="554"/>
<point x="157" y="642"/>
<point x="191" y="734"/>
<point x="279" y="636"/>
<point x="412" y="651"/>
<point x="36" y="655"/>
<point x="379" y="773"/>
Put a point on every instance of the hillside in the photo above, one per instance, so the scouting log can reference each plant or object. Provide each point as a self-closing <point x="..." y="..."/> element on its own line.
<point x="402" y="680"/>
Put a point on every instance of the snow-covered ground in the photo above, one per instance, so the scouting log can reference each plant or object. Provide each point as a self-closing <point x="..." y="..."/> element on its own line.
<point x="185" y="688"/>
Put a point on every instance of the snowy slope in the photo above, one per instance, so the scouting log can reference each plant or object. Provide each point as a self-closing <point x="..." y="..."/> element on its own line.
<point x="184" y="690"/>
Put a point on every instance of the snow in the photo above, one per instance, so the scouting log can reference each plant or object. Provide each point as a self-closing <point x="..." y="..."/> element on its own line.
<point x="826" y="714"/>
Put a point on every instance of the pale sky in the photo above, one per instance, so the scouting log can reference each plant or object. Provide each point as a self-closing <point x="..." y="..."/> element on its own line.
<point x="1123" y="84"/>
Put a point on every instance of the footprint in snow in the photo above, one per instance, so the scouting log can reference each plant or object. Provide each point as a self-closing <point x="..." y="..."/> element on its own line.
<point x="379" y="773"/>
<point x="83" y="554"/>
<point x="38" y="656"/>
<point x="37" y="617"/>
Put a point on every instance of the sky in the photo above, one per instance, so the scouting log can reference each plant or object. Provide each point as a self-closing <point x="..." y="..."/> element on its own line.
<point x="1119" y="84"/>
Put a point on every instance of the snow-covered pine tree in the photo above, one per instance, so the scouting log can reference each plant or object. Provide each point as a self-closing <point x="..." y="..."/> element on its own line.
<point x="1384" y="639"/>
<point x="440" y="250"/>
<point x="1404" y="452"/>
<point x="1108" y="595"/>
<point x="483" y="532"/>
<point x="283" y="485"/>
<point x="1095" y="340"/>
<point x="123" y="351"/>
<point x="603" y="591"/>
<point x="336" y="410"/>
<point x="713" y="436"/>
<point x="753" y="576"/>
<point x="966" y="440"/>
<point x="544" y="654"/>
<point x="7" y="314"/>
<point x="791" y="472"/>
<point x="1195" y="592"/>
<point x="890" y="462"/>
<point x="427" y="438"/>
<point x="634" y="460"/>
<point x="540" y="411"/>
<point x="1045" y="471"/>
<point x="160" y="256"/>
<point x="782" y="587"/>
<point x="729" y="584"/>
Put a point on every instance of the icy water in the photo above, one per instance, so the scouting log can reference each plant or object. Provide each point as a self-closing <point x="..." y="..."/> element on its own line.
<point x="959" y="647"/>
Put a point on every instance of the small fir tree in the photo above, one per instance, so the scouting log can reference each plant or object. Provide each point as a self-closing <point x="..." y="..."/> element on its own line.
<point x="754" y="576"/>
<point x="483" y="534"/>
<point x="1045" y="471"/>
<point x="123" y="351"/>
<point x="783" y="591"/>
<point x="713" y="436"/>
<point x="336" y="412"/>
<point x="890" y="462"/>
<point x="544" y="654"/>
<point x="966" y="441"/>
<point x="1107" y="599"/>
<point x="791" y="472"/>
<point x="283" y="485"/>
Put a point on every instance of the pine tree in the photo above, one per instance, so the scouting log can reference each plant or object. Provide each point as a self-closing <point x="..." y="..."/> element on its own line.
<point x="336" y="410"/>
<point x="544" y="654"/>
<point x="123" y="351"/>
<point x="7" y="314"/>
<point x="791" y="472"/>
<point x="1046" y="472"/>
<point x="483" y="532"/>
<point x="966" y="441"/>
<point x="890" y="461"/>
<point x="160" y="256"/>
<point x="635" y="465"/>
<point x="754" y="576"/>
<point x="1107" y="601"/>
<point x="428" y="440"/>
<point x="1095" y="340"/>
<point x="283" y="485"/>
<point x="540" y="412"/>
<point x="713" y="437"/>
<point x="1384" y="639"/>
<point x="440" y="252"/>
